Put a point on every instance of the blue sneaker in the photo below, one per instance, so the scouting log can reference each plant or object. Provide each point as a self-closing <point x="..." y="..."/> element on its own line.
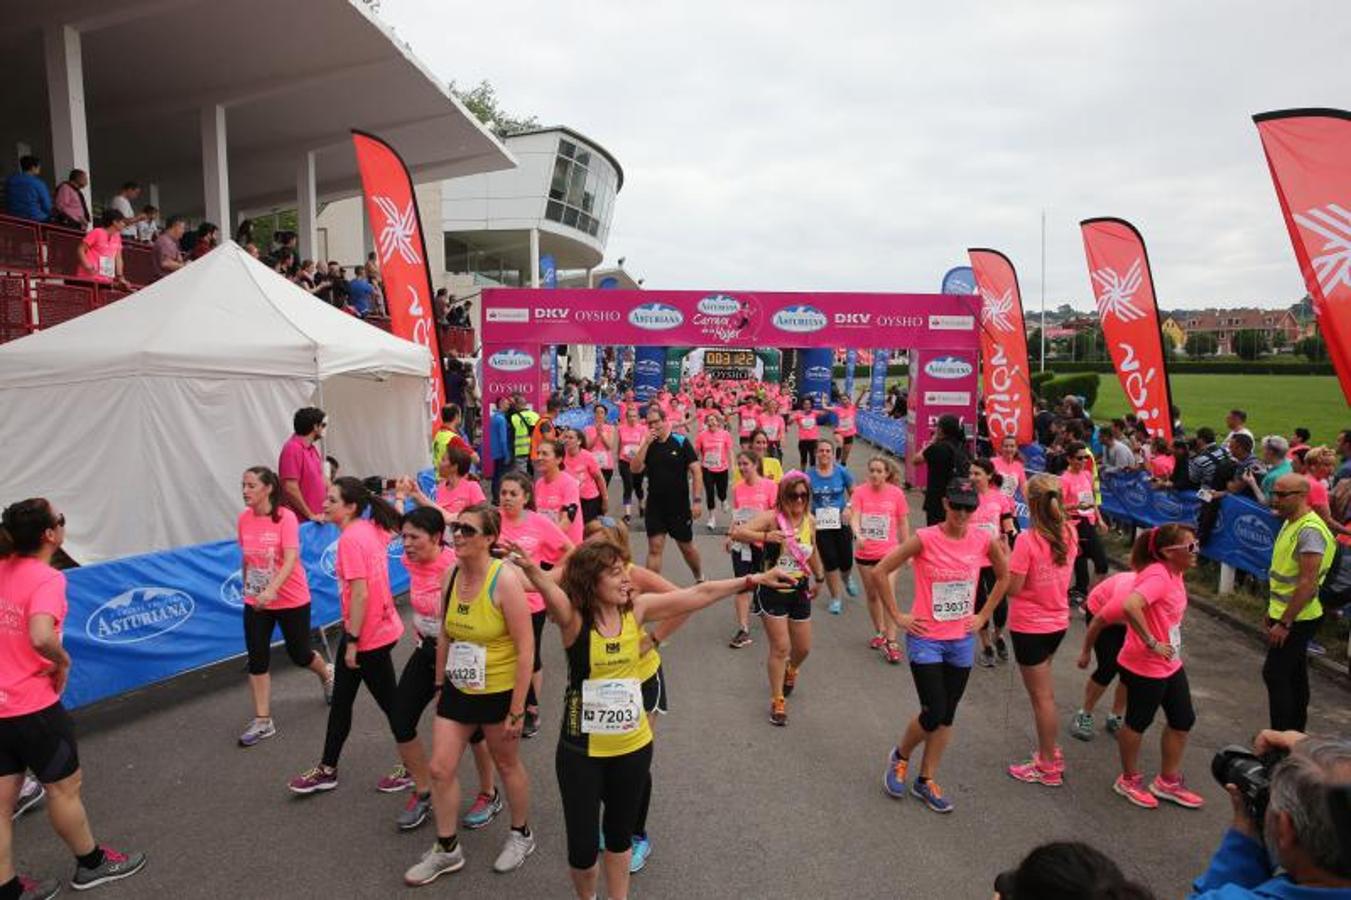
<point x="642" y="849"/>
<point x="932" y="795"/>
<point x="851" y="586"/>
<point x="836" y="606"/>
<point x="893" y="782"/>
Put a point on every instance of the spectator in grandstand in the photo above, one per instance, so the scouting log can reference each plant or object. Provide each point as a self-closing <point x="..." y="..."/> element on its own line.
<point x="283" y="263"/>
<point x="168" y="246"/>
<point x="123" y="201"/>
<point x="305" y="276"/>
<point x="208" y="236"/>
<point x="70" y="208"/>
<point x="148" y="228"/>
<point x="360" y="292"/>
<point x="337" y="281"/>
<point x="252" y="250"/>
<point x="101" y="250"/>
<point x="26" y="194"/>
<point x="1237" y="423"/>
<point x="440" y="307"/>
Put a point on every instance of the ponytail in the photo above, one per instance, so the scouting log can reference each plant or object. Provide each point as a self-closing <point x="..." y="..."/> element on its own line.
<point x="1149" y="543"/>
<point x="352" y="491"/>
<point x="23" y="525"/>
<point x="1047" y="510"/>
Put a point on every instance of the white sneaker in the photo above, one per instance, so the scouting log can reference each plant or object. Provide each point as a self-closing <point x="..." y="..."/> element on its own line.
<point x="514" y="851"/>
<point x="712" y="522"/>
<point x="434" y="863"/>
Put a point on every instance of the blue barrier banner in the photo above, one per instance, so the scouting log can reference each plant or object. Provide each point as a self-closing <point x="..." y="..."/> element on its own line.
<point x="1034" y="457"/>
<point x="577" y="417"/>
<point x="877" y="387"/>
<point x="883" y="431"/>
<point x="649" y="371"/>
<point x="850" y="363"/>
<point x="144" y="619"/>
<point x="1244" y="535"/>
<point x="1129" y="496"/>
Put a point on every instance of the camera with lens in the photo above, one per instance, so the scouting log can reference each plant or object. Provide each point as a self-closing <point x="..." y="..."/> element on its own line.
<point x="1248" y="772"/>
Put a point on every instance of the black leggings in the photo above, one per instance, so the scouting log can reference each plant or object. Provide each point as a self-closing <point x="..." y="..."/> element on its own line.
<point x="607" y="474"/>
<point x="417" y="688"/>
<point x="940" y="687"/>
<point x="806" y="453"/>
<point x="1145" y="695"/>
<point x="295" y="631"/>
<point x="587" y="782"/>
<point x="1090" y="547"/>
<point x="1105" y="649"/>
<point x="715" y="488"/>
<point x="985" y="584"/>
<point x="375" y="668"/>
<point x="633" y="483"/>
<point x="1286" y="672"/>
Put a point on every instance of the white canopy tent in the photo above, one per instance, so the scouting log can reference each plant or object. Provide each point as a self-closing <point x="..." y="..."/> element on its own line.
<point x="137" y="419"/>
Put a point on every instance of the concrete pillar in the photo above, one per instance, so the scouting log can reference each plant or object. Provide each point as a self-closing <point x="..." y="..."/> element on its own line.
<point x="216" y="168"/>
<point x="65" y="92"/>
<point x="152" y="197"/>
<point x="590" y="273"/>
<point x="367" y="235"/>
<point x="307" y="238"/>
<point x="534" y="257"/>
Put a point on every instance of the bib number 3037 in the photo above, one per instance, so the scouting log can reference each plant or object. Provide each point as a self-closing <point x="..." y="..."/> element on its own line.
<point x="953" y="600"/>
<point x="467" y="666"/>
<point x="611" y="706"/>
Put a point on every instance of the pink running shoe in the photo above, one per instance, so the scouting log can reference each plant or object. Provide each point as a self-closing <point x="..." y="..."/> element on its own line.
<point x="1175" y="789"/>
<point x="1132" y="787"/>
<point x="397" y="780"/>
<point x="1034" y="771"/>
<point x="878" y="642"/>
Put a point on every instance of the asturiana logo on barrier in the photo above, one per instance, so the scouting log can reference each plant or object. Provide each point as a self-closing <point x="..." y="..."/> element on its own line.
<point x="719" y="305"/>
<point x="139" y="614"/>
<point x="799" y="319"/>
<point x="817" y="373"/>
<point x="656" y="317"/>
<point x="1252" y="532"/>
<point x="948" y="367"/>
<point x="1136" y="493"/>
<point x="232" y="590"/>
<point x="511" y="360"/>
<point x="647" y="367"/>
<point x="328" y="560"/>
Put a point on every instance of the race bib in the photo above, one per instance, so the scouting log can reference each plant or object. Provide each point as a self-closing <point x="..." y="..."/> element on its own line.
<point x="874" y="526"/>
<point x="611" y="706"/>
<point x="772" y="432"/>
<point x="1175" y="638"/>
<point x="788" y="565"/>
<point x="427" y="626"/>
<point x="107" y="266"/>
<point x="602" y="458"/>
<point x="467" y="666"/>
<point x="628" y="450"/>
<point x="846" y="424"/>
<point x="828" y="518"/>
<point x="1009" y="488"/>
<point x="713" y="459"/>
<point x="953" y="600"/>
<point x="256" y="579"/>
<point x="1085" y="499"/>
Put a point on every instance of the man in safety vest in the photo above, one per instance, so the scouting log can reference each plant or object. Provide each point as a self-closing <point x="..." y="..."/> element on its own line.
<point x="544" y="427"/>
<point x="1299" y="560"/>
<point x="520" y="421"/>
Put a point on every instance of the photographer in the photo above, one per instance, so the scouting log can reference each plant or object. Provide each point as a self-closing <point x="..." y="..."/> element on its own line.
<point x="1299" y="824"/>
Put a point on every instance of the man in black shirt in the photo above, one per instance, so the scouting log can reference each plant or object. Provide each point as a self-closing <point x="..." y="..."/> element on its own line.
<point x="1043" y="423"/>
<point x="945" y="458"/>
<point x="671" y="466"/>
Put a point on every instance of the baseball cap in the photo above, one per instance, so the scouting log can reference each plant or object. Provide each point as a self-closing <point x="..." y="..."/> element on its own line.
<point x="962" y="494"/>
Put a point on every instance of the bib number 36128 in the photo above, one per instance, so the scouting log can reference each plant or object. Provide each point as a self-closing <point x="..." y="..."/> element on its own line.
<point x="611" y="706"/>
<point x="467" y="666"/>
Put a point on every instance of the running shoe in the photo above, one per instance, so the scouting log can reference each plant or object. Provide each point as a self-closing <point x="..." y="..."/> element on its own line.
<point x="115" y="867"/>
<point x="1082" y="726"/>
<point x="1076" y="599"/>
<point x="316" y="779"/>
<point x="789" y="680"/>
<point x="514" y="851"/>
<point x="1058" y="760"/>
<point x="32" y="889"/>
<point x="530" y="727"/>
<point x="986" y="658"/>
<point x="1132" y="787"/>
<point x="1114" y="723"/>
<point x="850" y="585"/>
<point x="1316" y="649"/>
<point x="932" y="795"/>
<point x="878" y="642"/>
<point x="1001" y="648"/>
<point x="778" y="711"/>
<point x="836" y="607"/>
<point x="30" y="795"/>
<point x="642" y="849"/>
<point x="1034" y="771"/>
<point x="485" y="808"/>
<point x="742" y="638"/>
<point x="1175" y="789"/>
<point x="397" y="780"/>
<point x="893" y="782"/>
<point x="328" y="684"/>
<point x="258" y="730"/>
<point x="414" y="812"/>
<point x="434" y="863"/>
<point x="892" y="653"/>
<point x="712" y="521"/>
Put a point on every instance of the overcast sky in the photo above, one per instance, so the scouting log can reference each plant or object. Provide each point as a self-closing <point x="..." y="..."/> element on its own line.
<point x="865" y="144"/>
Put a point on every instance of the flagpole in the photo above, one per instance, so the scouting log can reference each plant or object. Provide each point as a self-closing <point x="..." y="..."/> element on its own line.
<point x="1043" y="291"/>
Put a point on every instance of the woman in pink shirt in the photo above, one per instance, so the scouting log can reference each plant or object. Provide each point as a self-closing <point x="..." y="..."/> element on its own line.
<point x="36" y="732"/>
<point x="276" y="594"/>
<point x="846" y="426"/>
<point x="713" y="446"/>
<point x="454" y="492"/>
<point x="772" y="424"/>
<point x="632" y="433"/>
<point x="1039" y="576"/>
<point x="602" y="440"/>
<point x="880" y="518"/>
<point x="1106" y="618"/>
<point x="1009" y="465"/>
<point x="1081" y="501"/>
<point x="748" y="419"/>
<point x="558" y="494"/>
<point x="371" y="624"/>
<point x="101" y="250"/>
<point x="940" y="630"/>
<point x="751" y="495"/>
<point x="581" y="465"/>
<point x="1151" y="665"/>
<point x="545" y="542"/>
<point x="1161" y="460"/>
<point x="808" y="431"/>
<point x="1318" y="466"/>
<point x="995" y="517"/>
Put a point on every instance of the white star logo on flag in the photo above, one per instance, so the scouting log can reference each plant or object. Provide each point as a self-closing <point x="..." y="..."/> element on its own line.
<point x="1117" y="296"/>
<point x="1332" y="267"/>
<point x="997" y="311"/>
<point x="396" y="235"/>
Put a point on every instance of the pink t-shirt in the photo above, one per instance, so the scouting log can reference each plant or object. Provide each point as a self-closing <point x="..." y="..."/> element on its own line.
<point x="1076" y="489"/>
<point x="28" y="588"/>
<point x="1106" y="599"/>
<point x="102" y="249"/>
<point x="945" y="580"/>
<point x="881" y="512"/>
<point x="1013" y="472"/>
<point x="454" y="500"/>
<point x="1165" y="597"/>
<point x="584" y="469"/>
<point x="301" y="462"/>
<point x="1161" y="465"/>
<point x="714" y="449"/>
<point x="262" y="544"/>
<point x="541" y="540"/>
<point x="751" y="499"/>
<point x="550" y="498"/>
<point x="1318" y="491"/>
<point x="846" y="414"/>
<point x="1042" y="606"/>
<point x="424" y="591"/>
<point x="773" y="426"/>
<point x="746" y="420"/>
<point x="630" y="439"/>
<point x="807" y="428"/>
<point x="363" y="553"/>
<point x="598" y="442"/>
<point x="994" y="505"/>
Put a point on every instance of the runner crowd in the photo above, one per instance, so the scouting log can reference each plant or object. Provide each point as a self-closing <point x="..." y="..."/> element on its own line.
<point x="493" y="563"/>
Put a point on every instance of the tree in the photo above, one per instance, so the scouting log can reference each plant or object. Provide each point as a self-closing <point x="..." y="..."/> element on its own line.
<point x="1201" y="343"/>
<point x="1034" y="347"/>
<point x="1089" y="345"/>
<point x="481" y="100"/>
<point x="1249" y="343"/>
<point x="1278" y="340"/>
<point x="1312" y="348"/>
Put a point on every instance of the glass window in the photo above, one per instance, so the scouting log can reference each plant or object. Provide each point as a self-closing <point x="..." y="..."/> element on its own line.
<point x="584" y="157"/>
<point x="554" y="211"/>
<point x="559" y="182"/>
<point x="566" y="148"/>
<point x="576" y="186"/>
<point x="570" y="216"/>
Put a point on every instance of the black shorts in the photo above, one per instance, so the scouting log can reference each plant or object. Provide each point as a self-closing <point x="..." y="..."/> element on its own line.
<point x="743" y="567"/>
<point x="590" y="508"/>
<point x="259" y="625"/>
<point x="654" y="693"/>
<point x="836" y="546"/>
<point x="1144" y="696"/>
<point x="1105" y="650"/>
<point x="537" y="620"/>
<point x="858" y="560"/>
<point x="472" y="709"/>
<point x="678" y="523"/>
<point x="793" y="605"/>
<point x="847" y="439"/>
<point x="1031" y="649"/>
<point x="41" y="742"/>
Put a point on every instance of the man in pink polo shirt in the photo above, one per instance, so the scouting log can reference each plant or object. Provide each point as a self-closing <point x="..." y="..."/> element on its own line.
<point x="301" y="466"/>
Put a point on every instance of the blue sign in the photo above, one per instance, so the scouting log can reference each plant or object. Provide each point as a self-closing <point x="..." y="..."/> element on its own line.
<point x="883" y="431"/>
<point x="960" y="280"/>
<point x="816" y="378"/>
<point x="850" y="361"/>
<point x="878" y="388"/>
<point x="649" y="371"/>
<point x="548" y="271"/>
<point x="600" y="363"/>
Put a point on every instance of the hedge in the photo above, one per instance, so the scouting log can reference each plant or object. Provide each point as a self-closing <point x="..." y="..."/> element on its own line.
<point x="1040" y="378"/>
<point x="1207" y="367"/>
<point x="1081" y="384"/>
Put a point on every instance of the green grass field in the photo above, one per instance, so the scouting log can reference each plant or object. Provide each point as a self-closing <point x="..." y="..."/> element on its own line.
<point x="1275" y="404"/>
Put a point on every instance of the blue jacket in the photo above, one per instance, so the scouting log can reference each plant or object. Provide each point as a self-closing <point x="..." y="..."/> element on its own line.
<point x="1240" y="869"/>
<point x="27" y="197"/>
<point x="500" y="440"/>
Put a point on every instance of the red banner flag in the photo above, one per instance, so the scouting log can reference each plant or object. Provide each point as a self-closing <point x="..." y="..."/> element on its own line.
<point x="1003" y="348"/>
<point x="1309" y="153"/>
<point x="1118" y="270"/>
<point x="391" y="207"/>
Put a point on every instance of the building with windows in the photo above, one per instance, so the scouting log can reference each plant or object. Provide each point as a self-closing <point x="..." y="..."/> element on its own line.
<point x="1279" y="326"/>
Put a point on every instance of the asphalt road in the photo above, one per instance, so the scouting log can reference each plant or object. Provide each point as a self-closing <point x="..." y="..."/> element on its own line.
<point x="741" y="808"/>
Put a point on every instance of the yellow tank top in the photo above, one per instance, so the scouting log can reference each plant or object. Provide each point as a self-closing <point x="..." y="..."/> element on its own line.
<point x="487" y="656"/>
<point x="603" y="705"/>
<point x="649" y="662"/>
<point x="784" y="560"/>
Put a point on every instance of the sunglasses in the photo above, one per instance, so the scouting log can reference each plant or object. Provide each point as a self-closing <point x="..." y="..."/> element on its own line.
<point x="1080" y="458"/>
<point x="1190" y="547"/>
<point x="464" y="529"/>
<point x="798" y="495"/>
<point x="961" y="507"/>
<point x="1287" y="493"/>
